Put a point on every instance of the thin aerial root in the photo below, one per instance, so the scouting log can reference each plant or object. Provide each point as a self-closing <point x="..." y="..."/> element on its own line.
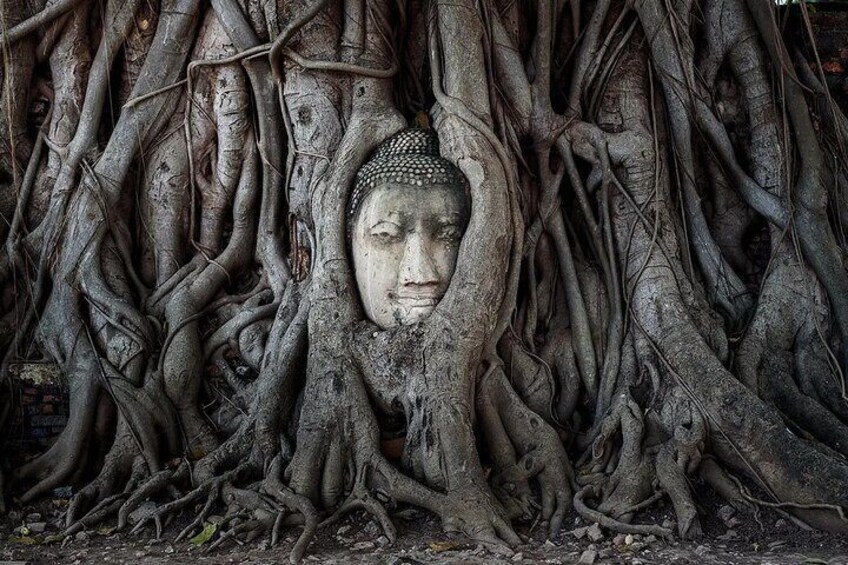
<point x="361" y="499"/>
<point x="647" y="503"/>
<point x="720" y="481"/>
<point x="154" y="484"/>
<point x="39" y="20"/>
<point x="201" y="516"/>
<point x="89" y="494"/>
<point x="103" y="510"/>
<point x="233" y="532"/>
<point x="277" y="528"/>
<point x="287" y="497"/>
<point x="834" y="508"/>
<point x="183" y="502"/>
<point x="612" y="524"/>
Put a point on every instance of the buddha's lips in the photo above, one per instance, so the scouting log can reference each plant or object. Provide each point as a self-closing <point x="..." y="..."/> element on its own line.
<point x="417" y="301"/>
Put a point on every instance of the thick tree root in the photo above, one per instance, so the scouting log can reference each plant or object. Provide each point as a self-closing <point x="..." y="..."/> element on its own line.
<point x="536" y="451"/>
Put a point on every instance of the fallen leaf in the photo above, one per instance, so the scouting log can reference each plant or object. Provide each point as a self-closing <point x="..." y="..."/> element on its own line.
<point x="204" y="536"/>
<point x="440" y="546"/>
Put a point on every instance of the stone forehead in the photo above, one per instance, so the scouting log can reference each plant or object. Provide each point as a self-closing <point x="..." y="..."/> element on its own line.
<point x="409" y="158"/>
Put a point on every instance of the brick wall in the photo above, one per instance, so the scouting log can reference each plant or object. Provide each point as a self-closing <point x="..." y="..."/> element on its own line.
<point x="40" y="400"/>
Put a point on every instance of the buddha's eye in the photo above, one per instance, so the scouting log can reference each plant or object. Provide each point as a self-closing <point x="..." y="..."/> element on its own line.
<point x="449" y="233"/>
<point x="386" y="232"/>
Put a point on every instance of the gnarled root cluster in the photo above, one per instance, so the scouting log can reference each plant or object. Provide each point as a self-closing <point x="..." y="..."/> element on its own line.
<point x="651" y="286"/>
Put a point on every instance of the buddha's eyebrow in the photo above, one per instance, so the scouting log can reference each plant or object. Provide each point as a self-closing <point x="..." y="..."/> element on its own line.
<point x="396" y="218"/>
<point x="381" y="222"/>
<point x="449" y="218"/>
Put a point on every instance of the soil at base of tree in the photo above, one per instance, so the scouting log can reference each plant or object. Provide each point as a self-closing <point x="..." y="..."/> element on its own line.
<point x="730" y="538"/>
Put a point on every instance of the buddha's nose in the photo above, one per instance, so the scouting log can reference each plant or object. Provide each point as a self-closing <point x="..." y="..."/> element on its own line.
<point x="417" y="266"/>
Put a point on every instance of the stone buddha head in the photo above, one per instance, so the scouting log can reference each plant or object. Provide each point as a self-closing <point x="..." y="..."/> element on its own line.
<point x="407" y="212"/>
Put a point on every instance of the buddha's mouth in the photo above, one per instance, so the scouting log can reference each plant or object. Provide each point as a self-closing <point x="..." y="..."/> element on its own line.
<point x="428" y="301"/>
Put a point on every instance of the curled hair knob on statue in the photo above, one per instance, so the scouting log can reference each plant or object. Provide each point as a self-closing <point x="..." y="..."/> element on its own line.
<point x="408" y="158"/>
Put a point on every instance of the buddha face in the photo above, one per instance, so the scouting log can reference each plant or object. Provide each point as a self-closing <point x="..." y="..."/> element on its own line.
<point x="405" y="241"/>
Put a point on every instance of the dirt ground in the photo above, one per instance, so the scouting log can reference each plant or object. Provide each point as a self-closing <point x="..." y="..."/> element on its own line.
<point x="729" y="538"/>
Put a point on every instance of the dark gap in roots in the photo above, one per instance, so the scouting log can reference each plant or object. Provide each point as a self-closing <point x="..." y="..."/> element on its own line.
<point x="219" y="396"/>
<point x="248" y="281"/>
<point x="392" y="434"/>
<point x="732" y="111"/>
<point x="104" y="435"/>
<point x="246" y="373"/>
<point x="642" y="391"/>
<point x="40" y="106"/>
<point x="756" y="241"/>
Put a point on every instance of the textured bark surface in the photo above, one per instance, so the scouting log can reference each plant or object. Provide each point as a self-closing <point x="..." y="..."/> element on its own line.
<point x="651" y="287"/>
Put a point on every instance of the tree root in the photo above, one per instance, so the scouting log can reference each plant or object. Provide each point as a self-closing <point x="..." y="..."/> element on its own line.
<point x="536" y="447"/>
<point x="155" y="484"/>
<point x="285" y="496"/>
<point x="610" y="523"/>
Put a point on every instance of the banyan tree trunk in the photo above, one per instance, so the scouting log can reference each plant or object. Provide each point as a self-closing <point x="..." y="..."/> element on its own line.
<point x="651" y="285"/>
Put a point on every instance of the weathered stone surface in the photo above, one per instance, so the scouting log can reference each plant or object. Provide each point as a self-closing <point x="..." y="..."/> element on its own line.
<point x="579" y="533"/>
<point x="37" y="527"/>
<point x="594" y="533"/>
<point x="142" y="512"/>
<point x="588" y="557"/>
